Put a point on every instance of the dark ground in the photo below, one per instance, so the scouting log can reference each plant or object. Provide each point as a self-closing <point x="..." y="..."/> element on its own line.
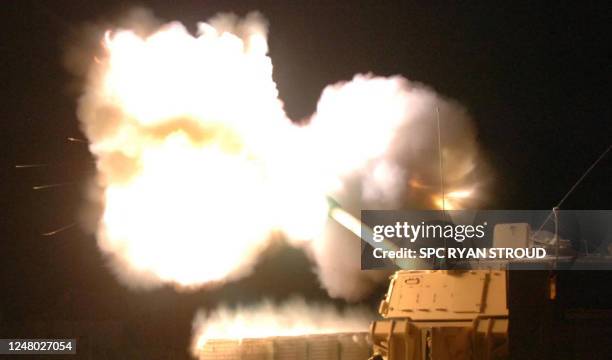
<point x="534" y="75"/>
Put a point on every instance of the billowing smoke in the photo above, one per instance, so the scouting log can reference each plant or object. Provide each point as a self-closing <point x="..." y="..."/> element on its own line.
<point x="379" y="136"/>
<point x="198" y="166"/>
<point x="291" y="318"/>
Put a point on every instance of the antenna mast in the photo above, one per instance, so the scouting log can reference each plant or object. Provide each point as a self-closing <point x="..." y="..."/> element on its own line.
<point x="440" y="159"/>
<point x="571" y="190"/>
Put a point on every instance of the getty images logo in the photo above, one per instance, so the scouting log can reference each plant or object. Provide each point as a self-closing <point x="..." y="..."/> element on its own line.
<point x="412" y="232"/>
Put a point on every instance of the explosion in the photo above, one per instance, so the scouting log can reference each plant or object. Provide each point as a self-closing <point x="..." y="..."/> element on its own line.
<point x="198" y="165"/>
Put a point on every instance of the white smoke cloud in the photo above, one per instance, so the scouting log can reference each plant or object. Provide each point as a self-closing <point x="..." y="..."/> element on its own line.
<point x="197" y="163"/>
<point x="294" y="317"/>
<point x="171" y="146"/>
<point x="379" y="135"/>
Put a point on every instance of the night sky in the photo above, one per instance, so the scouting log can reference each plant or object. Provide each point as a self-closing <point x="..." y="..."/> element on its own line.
<point x="535" y="76"/>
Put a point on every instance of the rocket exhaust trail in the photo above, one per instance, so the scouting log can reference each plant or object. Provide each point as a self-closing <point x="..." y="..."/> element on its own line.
<point x="365" y="233"/>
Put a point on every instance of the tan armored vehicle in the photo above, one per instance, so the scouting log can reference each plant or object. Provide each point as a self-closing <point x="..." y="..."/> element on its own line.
<point x="443" y="315"/>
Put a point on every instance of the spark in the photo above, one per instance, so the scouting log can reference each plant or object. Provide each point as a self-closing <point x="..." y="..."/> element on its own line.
<point x="56" y="231"/>
<point x="72" y="139"/>
<point x="49" y="186"/>
<point x="26" y="166"/>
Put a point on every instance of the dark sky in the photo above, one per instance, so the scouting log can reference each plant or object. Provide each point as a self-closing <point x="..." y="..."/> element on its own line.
<point x="534" y="75"/>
